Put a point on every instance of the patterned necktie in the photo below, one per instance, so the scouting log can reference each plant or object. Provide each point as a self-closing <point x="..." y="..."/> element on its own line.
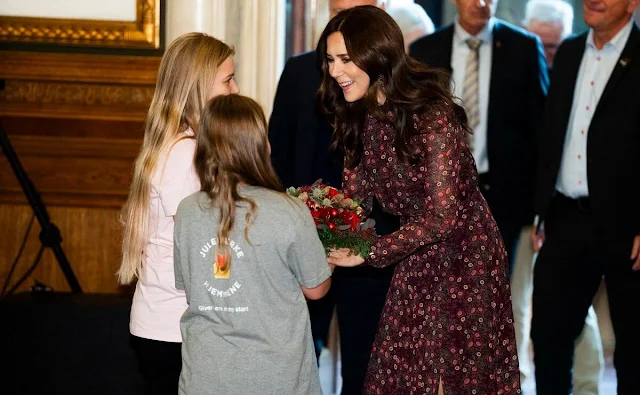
<point x="470" y="95"/>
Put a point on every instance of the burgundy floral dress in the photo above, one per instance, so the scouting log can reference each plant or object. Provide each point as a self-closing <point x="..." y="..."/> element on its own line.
<point x="448" y="311"/>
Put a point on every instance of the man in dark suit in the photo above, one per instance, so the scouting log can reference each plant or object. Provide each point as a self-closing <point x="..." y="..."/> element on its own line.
<point x="587" y="196"/>
<point x="300" y="136"/>
<point x="499" y="71"/>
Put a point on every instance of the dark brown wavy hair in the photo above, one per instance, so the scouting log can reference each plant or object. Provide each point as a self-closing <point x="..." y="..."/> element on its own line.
<point x="375" y="44"/>
<point x="232" y="148"/>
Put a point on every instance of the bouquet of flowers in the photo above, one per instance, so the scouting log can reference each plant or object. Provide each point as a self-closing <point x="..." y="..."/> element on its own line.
<point x="339" y="218"/>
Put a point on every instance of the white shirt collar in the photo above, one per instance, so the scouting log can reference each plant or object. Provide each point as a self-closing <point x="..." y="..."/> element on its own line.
<point x="461" y="36"/>
<point x="618" y="42"/>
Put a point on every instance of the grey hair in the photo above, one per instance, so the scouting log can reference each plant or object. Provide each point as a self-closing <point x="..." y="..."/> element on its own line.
<point x="410" y="17"/>
<point x="550" y="11"/>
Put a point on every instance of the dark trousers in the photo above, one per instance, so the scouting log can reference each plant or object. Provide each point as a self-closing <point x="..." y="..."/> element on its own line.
<point x="360" y="295"/>
<point x="573" y="259"/>
<point x="320" y="314"/>
<point x="159" y="363"/>
<point x="509" y="224"/>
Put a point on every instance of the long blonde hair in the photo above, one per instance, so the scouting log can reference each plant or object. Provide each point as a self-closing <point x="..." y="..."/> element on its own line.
<point x="232" y="148"/>
<point x="185" y="82"/>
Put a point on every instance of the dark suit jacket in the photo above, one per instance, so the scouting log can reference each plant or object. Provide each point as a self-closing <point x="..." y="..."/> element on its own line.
<point x="613" y="142"/>
<point x="518" y="86"/>
<point x="298" y="130"/>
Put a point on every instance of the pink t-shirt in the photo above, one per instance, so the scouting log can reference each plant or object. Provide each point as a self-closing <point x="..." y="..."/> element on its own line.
<point x="157" y="304"/>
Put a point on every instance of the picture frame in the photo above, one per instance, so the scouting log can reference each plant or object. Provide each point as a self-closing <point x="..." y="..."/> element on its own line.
<point x="142" y="33"/>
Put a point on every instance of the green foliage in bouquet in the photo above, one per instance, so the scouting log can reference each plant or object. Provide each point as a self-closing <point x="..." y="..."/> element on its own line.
<point x="358" y="242"/>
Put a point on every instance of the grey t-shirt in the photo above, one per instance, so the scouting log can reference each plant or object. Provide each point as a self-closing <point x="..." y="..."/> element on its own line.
<point x="246" y="330"/>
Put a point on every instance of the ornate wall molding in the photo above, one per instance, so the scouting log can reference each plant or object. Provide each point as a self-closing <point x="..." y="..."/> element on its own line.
<point x="77" y="85"/>
<point x="144" y="32"/>
<point x="54" y="99"/>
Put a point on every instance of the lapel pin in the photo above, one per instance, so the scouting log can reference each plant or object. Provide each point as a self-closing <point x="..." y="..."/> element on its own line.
<point x="624" y="62"/>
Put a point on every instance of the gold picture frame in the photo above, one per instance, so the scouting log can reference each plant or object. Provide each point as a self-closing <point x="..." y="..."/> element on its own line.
<point x="143" y="33"/>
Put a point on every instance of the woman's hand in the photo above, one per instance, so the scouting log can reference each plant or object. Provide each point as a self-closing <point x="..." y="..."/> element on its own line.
<point x="343" y="257"/>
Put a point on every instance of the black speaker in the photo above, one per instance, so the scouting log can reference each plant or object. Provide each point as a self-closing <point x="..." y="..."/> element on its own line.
<point x="66" y="344"/>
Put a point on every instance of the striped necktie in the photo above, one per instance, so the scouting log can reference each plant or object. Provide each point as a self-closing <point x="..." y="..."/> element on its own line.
<point x="470" y="96"/>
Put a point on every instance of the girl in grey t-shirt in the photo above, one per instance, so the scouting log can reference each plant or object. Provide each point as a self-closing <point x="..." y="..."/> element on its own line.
<point x="246" y="255"/>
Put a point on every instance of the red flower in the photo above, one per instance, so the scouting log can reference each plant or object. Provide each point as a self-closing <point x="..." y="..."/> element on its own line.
<point x="324" y="213"/>
<point x="351" y="218"/>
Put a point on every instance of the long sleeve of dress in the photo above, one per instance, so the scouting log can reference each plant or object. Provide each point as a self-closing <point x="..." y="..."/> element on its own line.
<point x="437" y="195"/>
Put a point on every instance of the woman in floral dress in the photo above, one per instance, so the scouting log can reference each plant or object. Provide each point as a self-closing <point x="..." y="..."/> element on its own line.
<point x="447" y="326"/>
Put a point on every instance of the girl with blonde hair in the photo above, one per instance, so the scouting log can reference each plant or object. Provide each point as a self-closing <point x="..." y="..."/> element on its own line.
<point x="195" y="68"/>
<point x="247" y="255"/>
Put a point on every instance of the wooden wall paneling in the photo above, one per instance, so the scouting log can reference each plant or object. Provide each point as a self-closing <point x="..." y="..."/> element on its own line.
<point x="76" y="123"/>
<point x="55" y="127"/>
<point x="72" y="171"/>
<point x="91" y="241"/>
<point x="76" y="85"/>
<point x="79" y="67"/>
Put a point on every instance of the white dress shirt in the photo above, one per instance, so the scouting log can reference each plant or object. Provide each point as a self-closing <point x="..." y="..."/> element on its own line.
<point x="459" y="53"/>
<point x="595" y="69"/>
